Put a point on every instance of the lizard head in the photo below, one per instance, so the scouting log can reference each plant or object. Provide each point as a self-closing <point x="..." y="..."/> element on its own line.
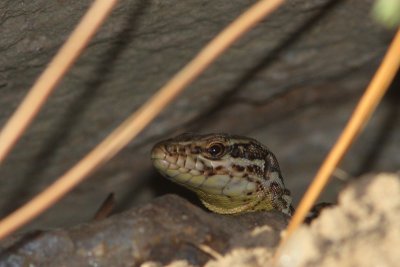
<point x="227" y="171"/>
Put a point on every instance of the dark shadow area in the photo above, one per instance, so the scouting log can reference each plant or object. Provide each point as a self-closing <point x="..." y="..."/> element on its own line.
<point x="159" y="185"/>
<point x="386" y="130"/>
<point x="73" y="112"/>
<point x="197" y="123"/>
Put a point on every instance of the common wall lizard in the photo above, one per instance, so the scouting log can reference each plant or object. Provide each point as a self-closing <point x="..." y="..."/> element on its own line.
<point x="231" y="174"/>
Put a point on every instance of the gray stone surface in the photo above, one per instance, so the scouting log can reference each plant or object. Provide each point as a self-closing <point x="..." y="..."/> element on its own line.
<point x="166" y="230"/>
<point x="292" y="83"/>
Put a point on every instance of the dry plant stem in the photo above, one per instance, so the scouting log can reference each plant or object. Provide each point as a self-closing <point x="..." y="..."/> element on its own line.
<point x="106" y="208"/>
<point x="368" y="103"/>
<point x="46" y="83"/>
<point x="136" y="122"/>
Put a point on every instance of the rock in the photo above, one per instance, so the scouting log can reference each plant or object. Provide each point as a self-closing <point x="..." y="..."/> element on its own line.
<point x="363" y="230"/>
<point x="166" y="230"/>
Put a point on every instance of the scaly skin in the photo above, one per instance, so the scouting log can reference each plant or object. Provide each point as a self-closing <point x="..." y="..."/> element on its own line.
<point x="230" y="174"/>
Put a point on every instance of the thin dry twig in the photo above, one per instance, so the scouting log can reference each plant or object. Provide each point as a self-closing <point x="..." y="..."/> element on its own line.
<point x="52" y="75"/>
<point x="363" y="112"/>
<point x="106" y="208"/>
<point x="140" y="119"/>
<point x="209" y="251"/>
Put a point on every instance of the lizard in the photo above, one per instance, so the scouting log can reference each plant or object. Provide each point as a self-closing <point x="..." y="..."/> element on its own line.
<point x="231" y="174"/>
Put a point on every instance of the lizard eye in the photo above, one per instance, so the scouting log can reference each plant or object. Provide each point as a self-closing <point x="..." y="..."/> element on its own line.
<point x="216" y="150"/>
